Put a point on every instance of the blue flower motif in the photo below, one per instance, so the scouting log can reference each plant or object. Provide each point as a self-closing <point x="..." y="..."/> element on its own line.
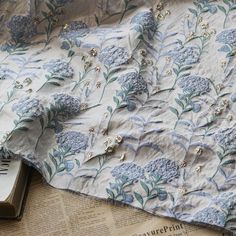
<point x="133" y="81"/>
<point x="186" y="55"/>
<point x="227" y="37"/>
<point x="65" y="45"/>
<point x="59" y="68"/>
<point x="128" y="172"/>
<point x="58" y="127"/>
<point x="72" y="141"/>
<point x="233" y="97"/>
<point x="56" y="153"/>
<point x="29" y="107"/>
<point x="146" y="20"/>
<point x="226" y="138"/>
<point x="22" y="28"/>
<point x="69" y="165"/>
<point x="113" y="56"/>
<point x="167" y="169"/>
<point x="211" y="216"/>
<point x="226" y="201"/>
<point x="5" y="73"/>
<point x="196" y="107"/>
<point x="68" y="105"/>
<point x="74" y="30"/>
<point x="195" y="85"/>
<point x="128" y="198"/>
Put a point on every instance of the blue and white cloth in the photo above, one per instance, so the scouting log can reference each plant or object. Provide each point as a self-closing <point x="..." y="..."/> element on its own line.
<point x="128" y="100"/>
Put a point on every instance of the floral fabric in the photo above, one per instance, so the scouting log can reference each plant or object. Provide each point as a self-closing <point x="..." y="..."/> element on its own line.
<point x="128" y="100"/>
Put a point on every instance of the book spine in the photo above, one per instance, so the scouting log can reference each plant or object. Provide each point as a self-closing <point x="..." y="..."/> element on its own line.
<point x="5" y="154"/>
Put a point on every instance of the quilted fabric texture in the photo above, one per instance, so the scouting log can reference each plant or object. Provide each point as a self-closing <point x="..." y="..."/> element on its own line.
<point x="128" y="100"/>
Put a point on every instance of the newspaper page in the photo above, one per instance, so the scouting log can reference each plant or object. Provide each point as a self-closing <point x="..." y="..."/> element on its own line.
<point x="53" y="212"/>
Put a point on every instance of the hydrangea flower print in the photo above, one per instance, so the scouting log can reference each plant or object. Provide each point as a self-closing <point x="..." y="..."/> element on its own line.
<point x="211" y="216"/>
<point x="186" y="55"/>
<point x="128" y="172"/>
<point x="66" y="104"/>
<point x="22" y="28"/>
<point x="227" y="37"/>
<point x="226" y="201"/>
<point x="59" y="68"/>
<point x="28" y="107"/>
<point x="133" y="81"/>
<point x="167" y="169"/>
<point x="113" y="56"/>
<point x="146" y="20"/>
<point x="194" y="85"/>
<point x="74" y="30"/>
<point x="72" y="140"/>
<point x="226" y="138"/>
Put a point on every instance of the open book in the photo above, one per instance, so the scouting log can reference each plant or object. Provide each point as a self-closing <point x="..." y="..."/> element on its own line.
<point x="14" y="177"/>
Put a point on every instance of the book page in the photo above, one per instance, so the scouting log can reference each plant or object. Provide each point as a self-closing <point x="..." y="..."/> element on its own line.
<point x="9" y="170"/>
<point x="55" y="212"/>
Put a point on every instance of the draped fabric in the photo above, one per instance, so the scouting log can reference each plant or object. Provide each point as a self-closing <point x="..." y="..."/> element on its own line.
<point x="128" y="100"/>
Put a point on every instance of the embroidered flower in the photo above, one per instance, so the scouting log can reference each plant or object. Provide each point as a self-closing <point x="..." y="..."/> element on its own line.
<point x="72" y="140"/>
<point x="233" y="97"/>
<point x="67" y="104"/>
<point x="29" y="107"/>
<point x="194" y="85"/>
<point x="128" y="172"/>
<point x="226" y="200"/>
<point x="113" y="56"/>
<point x="186" y="55"/>
<point x="227" y="37"/>
<point x="69" y="165"/>
<point x="133" y="81"/>
<point x="74" y="30"/>
<point x="59" y="68"/>
<point x="21" y="28"/>
<point x="196" y="107"/>
<point x="211" y="215"/>
<point x="167" y="169"/>
<point x="146" y="20"/>
<point x="5" y="73"/>
<point x="128" y="198"/>
<point x="226" y="138"/>
<point x="58" y="127"/>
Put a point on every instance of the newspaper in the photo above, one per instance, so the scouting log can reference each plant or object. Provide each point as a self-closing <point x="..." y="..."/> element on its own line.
<point x="53" y="212"/>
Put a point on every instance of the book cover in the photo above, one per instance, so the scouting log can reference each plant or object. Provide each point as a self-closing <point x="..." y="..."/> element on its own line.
<point x="14" y="177"/>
